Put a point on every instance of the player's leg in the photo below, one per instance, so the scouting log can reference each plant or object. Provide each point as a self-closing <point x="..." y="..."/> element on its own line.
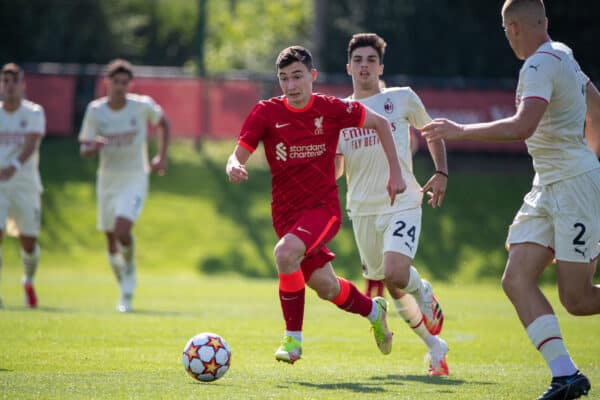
<point x="346" y="296"/>
<point x="30" y="255"/>
<point x="576" y="289"/>
<point x="400" y="244"/>
<point x="397" y="267"/>
<point x="288" y="254"/>
<point x="525" y="264"/>
<point x="129" y="202"/>
<point x="25" y="217"/>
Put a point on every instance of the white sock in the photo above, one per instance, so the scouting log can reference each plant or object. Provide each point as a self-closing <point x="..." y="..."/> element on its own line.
<point x="30" y="263"/>
<point x="117" y="264"/>
<point x="295" y="334"/>
<point x="372" y="317"/>
<point x="128" y="252"/>
<point x="414" y="282"/>
<point x="544" y="334"/>
<point x="409" y="310"/>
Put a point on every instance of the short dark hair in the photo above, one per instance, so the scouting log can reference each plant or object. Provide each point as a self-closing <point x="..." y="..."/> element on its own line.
<point x="119" y="66"/>
<point x="294" y="54"/>
<point x="367" y="40"/>
<point x="513" y="6"/>
<point x="13" y="69"/>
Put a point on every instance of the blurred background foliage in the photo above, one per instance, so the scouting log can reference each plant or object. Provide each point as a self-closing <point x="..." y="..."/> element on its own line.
<point x="433" y="38"/>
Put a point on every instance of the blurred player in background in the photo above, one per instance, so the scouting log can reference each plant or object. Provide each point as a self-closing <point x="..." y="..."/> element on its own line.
<point x="559" y="218"/>
<point x="116" y="127"/>
<point x="388" y="237"/>
<point x="299" y="131"/>
<point x="374" y="287"/>
<point x="22" y="126"/>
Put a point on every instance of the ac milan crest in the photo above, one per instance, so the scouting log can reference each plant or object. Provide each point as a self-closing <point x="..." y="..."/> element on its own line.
<point x="388" y="106"/>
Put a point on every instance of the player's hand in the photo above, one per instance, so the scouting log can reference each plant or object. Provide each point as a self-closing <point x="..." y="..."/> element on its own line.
<point x="236" y="173"/>
<point x="159" y="165"/>
<point x="442" y="128"/>
<point x="436" y="189"/>
<point x="7" y="173"/>
<point x="395" y="185"/>
<point x="90" y="147"/>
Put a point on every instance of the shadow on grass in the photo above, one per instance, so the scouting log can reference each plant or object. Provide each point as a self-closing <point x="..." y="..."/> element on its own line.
<point x="6" y="370"/>
<point x="355" y="387"/>
<point x="429" y="380"/>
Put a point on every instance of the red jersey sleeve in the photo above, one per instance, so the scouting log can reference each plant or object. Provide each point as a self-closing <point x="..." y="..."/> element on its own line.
<point x="350" y="113"/>
<point x="253" y="129"/>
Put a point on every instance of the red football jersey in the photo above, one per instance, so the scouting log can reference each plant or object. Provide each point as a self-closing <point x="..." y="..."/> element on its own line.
<point x="300" y="146"/>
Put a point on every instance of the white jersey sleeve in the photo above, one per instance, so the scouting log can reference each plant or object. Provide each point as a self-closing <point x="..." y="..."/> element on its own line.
<point x="37" y="121"/>
<point x="418" y="116"/>
<point x="89" y="127"/>
<point x="152" y="110"/>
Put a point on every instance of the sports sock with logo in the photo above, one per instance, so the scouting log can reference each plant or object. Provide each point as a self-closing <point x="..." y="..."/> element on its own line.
<point x="544" y="333"/>
<point x="291" y="297"/>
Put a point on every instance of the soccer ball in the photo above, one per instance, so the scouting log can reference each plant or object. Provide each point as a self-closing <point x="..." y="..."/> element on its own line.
<point x="206" y="357"/>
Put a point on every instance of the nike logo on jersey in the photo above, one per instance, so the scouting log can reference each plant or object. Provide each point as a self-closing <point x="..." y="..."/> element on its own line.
<point x="278" y="125"/>
<point x="535" y="67"/>
<point x="301" y="229"/>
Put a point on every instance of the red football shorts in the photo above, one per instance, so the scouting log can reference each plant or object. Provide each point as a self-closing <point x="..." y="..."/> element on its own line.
<point x="315" y="227"/>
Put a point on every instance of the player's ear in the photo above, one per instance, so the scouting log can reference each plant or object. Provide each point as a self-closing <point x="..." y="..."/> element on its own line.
<point x="348" y="70"/>
<point x="314" y="74"/>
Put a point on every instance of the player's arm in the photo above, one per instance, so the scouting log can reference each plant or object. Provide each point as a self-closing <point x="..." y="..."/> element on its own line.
<point x="516" y="128"/>
<point x="159" y="162"/>
<point x="32" y="141"/>
<point x="592" y="99"/>
<point x="436" y="185"/>
<point x="339" y="166"/>
<point x="382" y="127"/>
<point x="236" y="164"/>
<point x="89" y="142"/>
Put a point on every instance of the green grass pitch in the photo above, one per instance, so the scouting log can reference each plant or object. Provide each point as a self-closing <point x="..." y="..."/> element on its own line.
<point x="205" y="264"/>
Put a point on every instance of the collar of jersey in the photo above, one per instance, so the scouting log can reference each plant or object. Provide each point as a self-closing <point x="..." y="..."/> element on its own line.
<point x="306" y="107"/>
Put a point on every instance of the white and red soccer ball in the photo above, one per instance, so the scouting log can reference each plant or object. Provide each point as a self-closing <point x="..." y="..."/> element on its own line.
<point x="206" y="357"/>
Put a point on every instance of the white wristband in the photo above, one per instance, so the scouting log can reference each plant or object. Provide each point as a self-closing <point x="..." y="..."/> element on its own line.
<point x="16" y="163"/>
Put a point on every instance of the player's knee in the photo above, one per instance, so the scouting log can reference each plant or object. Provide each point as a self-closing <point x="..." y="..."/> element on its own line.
<point x="286" y="255"/>
<point x="511" y="284"/>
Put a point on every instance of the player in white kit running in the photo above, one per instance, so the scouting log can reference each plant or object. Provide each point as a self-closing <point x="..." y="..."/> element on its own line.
<point x="387" y="236"/>
<point x="559" y="218"/>
<point x="116" y="127"/>
<point x="22" y="126"/>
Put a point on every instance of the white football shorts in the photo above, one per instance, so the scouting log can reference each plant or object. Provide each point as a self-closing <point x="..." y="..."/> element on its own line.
<point x="122" y="198"/>
<point x="377" y="234"/>
<point x="564" y="216"/>
<point x="21" y="205"/>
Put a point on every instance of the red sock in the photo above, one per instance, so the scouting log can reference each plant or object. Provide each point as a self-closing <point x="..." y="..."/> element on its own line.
<point x="291" y="297"/>
<point x="351" y="299"/>
<point x="374" y="286"/>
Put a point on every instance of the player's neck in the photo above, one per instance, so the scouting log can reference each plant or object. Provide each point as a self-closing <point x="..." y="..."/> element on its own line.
<point x="363" y="93"/>
<point x="117" y="103"/>
<point x="11" y="104"/>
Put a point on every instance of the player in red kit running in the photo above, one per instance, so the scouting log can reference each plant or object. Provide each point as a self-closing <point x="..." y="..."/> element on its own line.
<point x="300" y="131"/>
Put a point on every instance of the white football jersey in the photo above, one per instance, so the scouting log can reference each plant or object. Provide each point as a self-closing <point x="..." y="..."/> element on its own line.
<point x="366" y="166"/>
<point x="29" y="118"/>
<point x="124" y="131"/>
<point x="558" y="146"/>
